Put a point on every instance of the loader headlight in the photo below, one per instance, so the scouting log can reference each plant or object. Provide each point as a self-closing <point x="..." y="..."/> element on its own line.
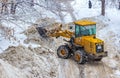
<point x="99" y="48"/>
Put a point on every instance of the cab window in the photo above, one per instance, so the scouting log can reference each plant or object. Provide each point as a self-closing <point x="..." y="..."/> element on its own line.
<point x="85" y="30"/>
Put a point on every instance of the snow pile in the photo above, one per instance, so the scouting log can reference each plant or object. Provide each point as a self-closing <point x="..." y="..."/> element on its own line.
<point x="38" y="61"/>
<point x="34" y="62"/>
<point x="8" y="71"/>
<point x="32" y="58"/>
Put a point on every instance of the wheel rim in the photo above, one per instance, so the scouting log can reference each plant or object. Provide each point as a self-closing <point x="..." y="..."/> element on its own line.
<point x="62" y="52"/>
<point x="77" y="57"/>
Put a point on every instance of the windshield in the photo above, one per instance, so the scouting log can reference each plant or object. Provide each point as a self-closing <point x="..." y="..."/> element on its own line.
<point x="85" y="30"/>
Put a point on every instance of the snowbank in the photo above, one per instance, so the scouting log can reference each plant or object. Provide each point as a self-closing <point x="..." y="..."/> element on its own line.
<point x="31" y="62"/>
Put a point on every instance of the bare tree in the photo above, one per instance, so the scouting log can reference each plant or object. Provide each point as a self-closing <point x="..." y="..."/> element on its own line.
<point x="13" y="7"/>
<point x="119" y="4"/>
<point x="60" y="8"/>
<point x="4" y="6"/>
<point x="103" y="7"/>
<point x="112" y="3"/>
<point x="70" y="10"/>
<point x="32" y="2"/>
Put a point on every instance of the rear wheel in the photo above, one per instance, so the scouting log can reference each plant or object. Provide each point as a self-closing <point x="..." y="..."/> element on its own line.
<point x="63" y="52"/>
<point x="79" y="57"/>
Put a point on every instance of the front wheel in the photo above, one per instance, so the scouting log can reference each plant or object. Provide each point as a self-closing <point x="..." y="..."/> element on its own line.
<point x="79" y="57"/>
<point x="63" y="52"/>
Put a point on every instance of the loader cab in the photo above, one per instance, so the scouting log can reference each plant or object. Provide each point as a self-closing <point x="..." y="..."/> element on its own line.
<point x="84" y="28"/>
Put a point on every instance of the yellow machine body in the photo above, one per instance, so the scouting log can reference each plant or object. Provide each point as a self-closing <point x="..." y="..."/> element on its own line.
<point x="88" y="41"/>
<point x="84" y="22"/>
<point x="63" y="33"/>
<point x="82" y="45"/>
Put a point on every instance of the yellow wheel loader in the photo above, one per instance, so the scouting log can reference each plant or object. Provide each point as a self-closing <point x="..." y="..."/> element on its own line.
<point x="83" y="45"/>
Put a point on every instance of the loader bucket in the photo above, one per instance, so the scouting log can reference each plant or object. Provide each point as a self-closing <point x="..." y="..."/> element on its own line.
<point x="42" y="32"/>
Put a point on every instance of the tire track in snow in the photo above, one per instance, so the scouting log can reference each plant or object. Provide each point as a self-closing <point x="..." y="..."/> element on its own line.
<point x="97" y="70"/>
<point x="81" y="70"/>
<point x="68" y="68"/>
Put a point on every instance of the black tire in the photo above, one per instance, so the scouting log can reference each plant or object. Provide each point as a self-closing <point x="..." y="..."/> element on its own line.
<point x="79" y="57"/>
<point x="63" y="52"/>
